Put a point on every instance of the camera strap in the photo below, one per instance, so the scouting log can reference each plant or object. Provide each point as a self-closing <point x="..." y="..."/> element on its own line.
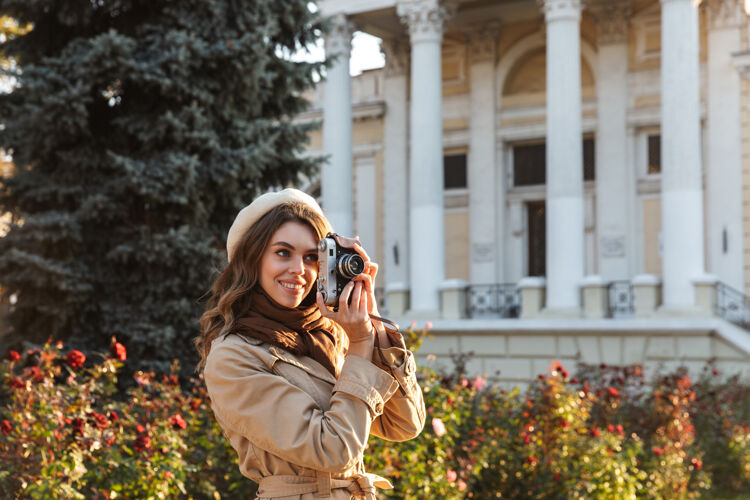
<point x="387" y="323"/>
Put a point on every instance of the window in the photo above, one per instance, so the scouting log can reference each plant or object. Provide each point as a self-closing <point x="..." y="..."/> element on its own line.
<point x="654" y="154"/>
<point x="589" y="160"/>
<point x="529" y="163"/>
<point x="454" y="171"/>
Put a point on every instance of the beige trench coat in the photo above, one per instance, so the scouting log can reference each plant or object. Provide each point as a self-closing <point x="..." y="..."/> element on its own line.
<point x="298" y="431"/>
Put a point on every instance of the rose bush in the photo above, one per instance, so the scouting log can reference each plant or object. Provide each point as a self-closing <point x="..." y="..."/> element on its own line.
<point x="69" y="431"/>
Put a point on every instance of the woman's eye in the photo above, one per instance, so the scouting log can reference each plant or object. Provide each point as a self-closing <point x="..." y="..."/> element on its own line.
<point x="313" y="257"/>
<point x="282" y="253"/>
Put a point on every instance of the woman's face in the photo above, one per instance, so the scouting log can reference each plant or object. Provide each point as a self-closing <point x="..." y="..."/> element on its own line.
<point x="289" y="265"/>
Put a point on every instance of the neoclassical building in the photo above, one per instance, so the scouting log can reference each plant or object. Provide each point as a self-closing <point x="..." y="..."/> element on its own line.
<point x="546" y="179"/>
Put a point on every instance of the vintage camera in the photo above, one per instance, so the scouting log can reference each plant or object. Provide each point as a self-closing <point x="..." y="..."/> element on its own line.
<point x="337" y="266"/>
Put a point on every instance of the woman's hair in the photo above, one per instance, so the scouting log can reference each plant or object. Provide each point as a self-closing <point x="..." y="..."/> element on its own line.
<point x="230" y="293"/>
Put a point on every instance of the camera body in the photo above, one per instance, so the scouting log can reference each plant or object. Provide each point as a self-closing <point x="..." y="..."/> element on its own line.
<point x="337" y="266"/>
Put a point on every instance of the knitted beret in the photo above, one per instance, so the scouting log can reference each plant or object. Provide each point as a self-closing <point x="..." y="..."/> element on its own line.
<point x="261" y="206"/>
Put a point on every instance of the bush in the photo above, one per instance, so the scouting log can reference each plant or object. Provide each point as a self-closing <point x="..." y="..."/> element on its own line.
<point x="70" y="432"/>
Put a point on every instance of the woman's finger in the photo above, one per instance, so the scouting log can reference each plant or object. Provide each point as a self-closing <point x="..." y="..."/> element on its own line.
<point x="324" y="311"/>
<point x="372" y="269"/>
<point x="346" y="292"/>
<point x="356" y="295"/>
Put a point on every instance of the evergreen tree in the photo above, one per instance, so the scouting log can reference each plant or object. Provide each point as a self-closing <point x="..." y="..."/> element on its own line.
<point x="138" y="129"/>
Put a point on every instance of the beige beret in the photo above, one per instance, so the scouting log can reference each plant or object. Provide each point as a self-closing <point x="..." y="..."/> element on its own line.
<point x="261" y="206"/>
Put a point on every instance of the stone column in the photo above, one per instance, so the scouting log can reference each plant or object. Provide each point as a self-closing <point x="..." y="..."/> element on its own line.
<point x="336" y="175"/>
<point x="681" y="184"/>
<point x="724" y="155"/>
<point x="565" y="231"/>
<point x="481" y="162"/>
<point x="613" y="186"/>
<point x="396" y="140"/>
<point x="424" y="19"/>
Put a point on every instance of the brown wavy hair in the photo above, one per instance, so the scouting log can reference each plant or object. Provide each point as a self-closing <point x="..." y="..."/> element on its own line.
<point x="230" y="292"/>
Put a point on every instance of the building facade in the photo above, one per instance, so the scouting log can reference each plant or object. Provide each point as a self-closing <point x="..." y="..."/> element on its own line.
<point x="548" y="178"/>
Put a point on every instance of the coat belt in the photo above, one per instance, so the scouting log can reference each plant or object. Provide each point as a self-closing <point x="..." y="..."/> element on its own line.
<point x="359" y="485"/>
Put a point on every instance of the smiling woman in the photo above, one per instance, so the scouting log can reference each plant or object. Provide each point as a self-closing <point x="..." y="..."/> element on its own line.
<point x="298" y="388"/>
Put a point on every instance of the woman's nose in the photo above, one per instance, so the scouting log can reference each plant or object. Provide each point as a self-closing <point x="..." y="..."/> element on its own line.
<point x="297" y="266"/>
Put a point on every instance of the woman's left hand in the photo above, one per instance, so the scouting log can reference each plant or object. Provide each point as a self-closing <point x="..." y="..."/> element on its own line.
<point x="371" y="271"/>
<point x="368" y="280"/>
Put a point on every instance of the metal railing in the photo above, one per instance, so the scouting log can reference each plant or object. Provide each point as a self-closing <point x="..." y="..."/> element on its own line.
<point x="501" y="300"/>
<point x="732" y="305"/>
<point x="621" y="299"/>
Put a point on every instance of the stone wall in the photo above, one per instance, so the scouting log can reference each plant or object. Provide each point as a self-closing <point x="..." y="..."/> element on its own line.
<point x="519" y="350"/>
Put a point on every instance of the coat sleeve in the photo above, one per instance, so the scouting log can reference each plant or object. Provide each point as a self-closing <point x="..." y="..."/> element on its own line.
<point x="282" y="419"/>
<point x="404" y="414"/>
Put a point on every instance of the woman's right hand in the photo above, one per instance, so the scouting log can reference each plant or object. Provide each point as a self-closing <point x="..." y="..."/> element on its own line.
<point x="353" y="317"/>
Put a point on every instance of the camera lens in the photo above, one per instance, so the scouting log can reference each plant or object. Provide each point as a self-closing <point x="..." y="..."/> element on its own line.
<point x="351" y="265"/>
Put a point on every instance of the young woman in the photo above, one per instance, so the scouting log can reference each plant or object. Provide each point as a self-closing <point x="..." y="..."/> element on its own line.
<point x="296" y="387"/>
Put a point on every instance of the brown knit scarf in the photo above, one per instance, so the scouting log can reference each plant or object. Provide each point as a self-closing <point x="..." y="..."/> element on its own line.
<point x="301" y="331"/>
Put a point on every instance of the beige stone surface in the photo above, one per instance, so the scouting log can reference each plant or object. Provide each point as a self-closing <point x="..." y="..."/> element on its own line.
<point x="660" y="347"/>
<point x="651" y="230"/>
<point x="528" y="345"/>
<point x="457" y="244"/>
<point x="484" y="344"/>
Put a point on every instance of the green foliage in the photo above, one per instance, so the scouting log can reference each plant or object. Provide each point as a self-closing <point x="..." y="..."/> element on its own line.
<point x="138" y="130"/>
<point x="560" y="438"/>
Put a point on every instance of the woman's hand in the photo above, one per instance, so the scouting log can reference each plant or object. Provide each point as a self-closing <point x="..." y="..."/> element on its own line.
<point x="368" y="279"/>
<point x="371" y="271"/>
<point x="353" y="317"/>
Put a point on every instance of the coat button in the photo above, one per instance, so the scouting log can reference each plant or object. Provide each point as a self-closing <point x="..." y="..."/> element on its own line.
<point x="379" y="408"/>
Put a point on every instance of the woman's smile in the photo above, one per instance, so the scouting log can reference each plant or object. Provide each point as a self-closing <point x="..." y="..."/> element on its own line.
<point x="289" y="266"/>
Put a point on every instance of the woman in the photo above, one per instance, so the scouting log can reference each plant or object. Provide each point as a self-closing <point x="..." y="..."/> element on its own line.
<point x="296" y="387"/>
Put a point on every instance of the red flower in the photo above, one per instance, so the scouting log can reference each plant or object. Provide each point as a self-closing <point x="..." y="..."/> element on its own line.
<point x="167" y="474"/>
<point x="113" y="416"/>
<point x="613" y="392"/>
<point x="531" y="460"/>
<point x="610" y="428"/>
<point x="142" y="443"/>
<point x="5" y="426"/>
<point x="77" y="424"/>
<point x="109" y="440"/>
<point x="177" y="422"/>
<point x="13" y="356"/>
<point x="541" y="376"/>
<point x="17" y="383"/>
<point x="620" y="430"/>
<point x="698" y="464"/>
<point x="556" y="476"/>
<point x="35" y="374"/>
<point x="140" y="429"/>
<point x="451" y="476"/>
<point x="603" y="366"/>
<point x="118" y="351"/>
<point x="75" y="359"/>
<point x="99" y="419"/>
<point x="195" y="403"/>
<point x="574" y="380"/>
<point x="715" y="371"/>
<point x="657" y="451"/>
<point x="595" y="432"/>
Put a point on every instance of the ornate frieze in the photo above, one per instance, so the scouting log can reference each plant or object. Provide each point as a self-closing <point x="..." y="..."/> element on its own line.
<point x="338" y="41"/>
<point x="396" y="52"/>
<point x="425" y="18"/>
<point x="560" y="9"/>
<point x="483" y="41"/>
<point x="612" y="18"/>
<point x="723" y="13"/>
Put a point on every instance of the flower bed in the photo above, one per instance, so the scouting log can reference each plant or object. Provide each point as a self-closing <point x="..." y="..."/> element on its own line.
<point x="70" y="432"/>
